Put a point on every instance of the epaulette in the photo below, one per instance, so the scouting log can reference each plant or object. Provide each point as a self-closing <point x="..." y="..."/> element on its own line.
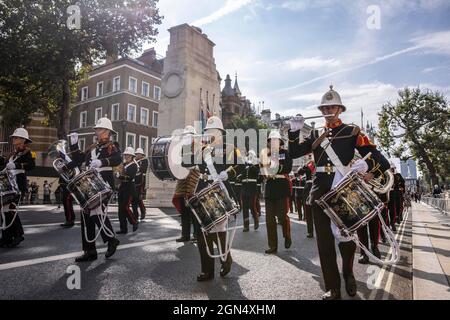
<point x="355" y="129"/>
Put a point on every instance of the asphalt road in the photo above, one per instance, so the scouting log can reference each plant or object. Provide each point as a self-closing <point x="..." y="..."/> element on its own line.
<point x="149" y="264"/>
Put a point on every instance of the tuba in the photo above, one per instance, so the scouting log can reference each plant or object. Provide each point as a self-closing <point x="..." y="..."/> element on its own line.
<point x="58" y="150"/>
<point x="377" y="183"/>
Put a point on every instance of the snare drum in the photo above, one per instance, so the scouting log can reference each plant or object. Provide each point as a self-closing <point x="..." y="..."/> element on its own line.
<point x="89" y="189"/>
<point x="351" y="204"/>
<point x="166" y="157"/>
<point x="8" y="188"/>
<point x="213" y="205"/>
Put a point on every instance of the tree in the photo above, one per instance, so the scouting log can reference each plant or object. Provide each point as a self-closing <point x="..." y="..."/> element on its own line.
<point x="416" y="126"/>
<point x="245" y="123"/>
<point x="48" y="56"/>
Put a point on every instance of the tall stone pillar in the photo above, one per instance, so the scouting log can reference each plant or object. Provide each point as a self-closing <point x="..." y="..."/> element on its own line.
<point x="190" y="82"/>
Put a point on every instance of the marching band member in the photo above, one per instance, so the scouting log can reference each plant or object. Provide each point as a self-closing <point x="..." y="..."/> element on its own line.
<point x="307" y="171"/>
<point x="298" y="185"/>
<point x="127" y="192"/>
<point x="21" y="160"/>
<point x="396" y="196"/>
<point x="183" y="191"/>
<point x="102" y="155"/>
<point x="333" y="151"/>
<point x="249" y="191"/>
<point x="140" y="181"/>
<point x="228" y="167"/>
<point x="67" y="201"/>
<point x="277" y="192"/>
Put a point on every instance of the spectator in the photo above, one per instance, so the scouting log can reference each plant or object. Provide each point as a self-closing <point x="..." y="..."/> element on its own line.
<point x="436" y="191"/>
<point x="46" y="192"/>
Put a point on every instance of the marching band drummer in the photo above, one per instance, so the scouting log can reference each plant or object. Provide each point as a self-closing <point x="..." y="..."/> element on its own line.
<point x="333" y="149"/>
<point x="21" y="160"/>
<point x="229" y="166"/>
<point x="127" y="192"/>
<point x="140" y="181"/>
<point x="277" y="193"/>
<point x="102" y="155"/>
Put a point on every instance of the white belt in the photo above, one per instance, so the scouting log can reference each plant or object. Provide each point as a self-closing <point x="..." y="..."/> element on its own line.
<point x="103" y="169"/>
<point x="277" y="176"/>
<point x="308" y="181"/>
<point x="15" y="172"/>
<point x="249" y="180"/>
<point x="327" y="169"/>
<point x="298" y="187"/>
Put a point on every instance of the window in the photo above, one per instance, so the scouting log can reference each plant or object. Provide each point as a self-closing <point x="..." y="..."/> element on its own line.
<point x="157" y="93"/>
<point x="144" y="116"/>
<point x="82" y="143"/>
<point x="115" y="112"/>
<point x="155" y="119"/>
<point x="116" y="84"/>
<point x="131" y="140"/>
<point x="131" y="113"/>
<point x="99" y="88"/>
<point x="132" y="85"/>
<point x="83" y="119"/>
<point x="143" y="143"/>
<point x="84" y="93"/>
<point x="145" y="89"/>
<point x="98" y="114"/>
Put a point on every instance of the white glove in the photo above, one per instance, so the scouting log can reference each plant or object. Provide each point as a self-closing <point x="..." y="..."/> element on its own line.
<point x="360" y="166"/>
<point x="223" y="176"/>
<point x="117" y="175"/>
<point x="11" y="166"/>
<point x="96" y="163"/>
<point x="73" y="138"/>
<point x="297" y="123"/>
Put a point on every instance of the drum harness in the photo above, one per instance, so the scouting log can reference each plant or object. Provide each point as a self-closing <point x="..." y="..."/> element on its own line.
<point x="325" y="143"/>
<point x="14" y="173"/>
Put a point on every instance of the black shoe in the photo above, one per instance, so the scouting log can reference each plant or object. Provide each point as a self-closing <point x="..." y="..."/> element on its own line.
<point x="15" y="242"/>
<point x="271" y="251"/>
<point x="4" y="243"/>
<point x="256" y="225"/>
<point x="394" y="228"/>
<point x="226" y="267"/>
<point x="205" y="277"/>
<point x="182" y="239"/>
<point x="67" y="225"/>
<point x="350" y="285"/>
<point x="310" y="235"/>
<point x="363" y="259"/>
<point x="333" y="294"/>
<point x="112" y="246"/>
<point x="376" y="252"/>
<point x="246" y="229"/>
<point x="135" y="227"/>
<point x="87" y="256"/>
<point x="143" y="217"/>
<point x="287" y="243"/>
<point x="121" y="232"/>
<point x="383" y="240"/>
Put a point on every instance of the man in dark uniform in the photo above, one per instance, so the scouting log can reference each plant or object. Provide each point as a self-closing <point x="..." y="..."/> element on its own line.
<point x="228" y="166"/>
<point x="249" y="191"/>
<point x="127" y="192"/>
<point x="67" y="201"/>
<point x="276" y="169"/>
<point x="298" y="185"/>
<point x="307" y="171"/>
<point x="396" y="199"/>
<point x="140" y="181"/>
<point x="333" y="151"/>
<point x="21" y="160"/>
<point x="102" y="156"/>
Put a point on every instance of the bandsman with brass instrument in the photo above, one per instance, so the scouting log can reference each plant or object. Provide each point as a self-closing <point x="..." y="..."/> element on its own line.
<point x="333" y="149"/>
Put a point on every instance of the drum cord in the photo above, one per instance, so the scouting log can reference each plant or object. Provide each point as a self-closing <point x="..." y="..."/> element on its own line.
<point x="102" y="219"/>
<point x="16" y="212"/>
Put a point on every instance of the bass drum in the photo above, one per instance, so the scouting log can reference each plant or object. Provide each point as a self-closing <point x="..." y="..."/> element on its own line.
<point x="165" y="159"/>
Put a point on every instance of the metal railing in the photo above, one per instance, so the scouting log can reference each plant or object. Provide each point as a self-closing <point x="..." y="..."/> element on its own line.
<point x="441" y="204"/>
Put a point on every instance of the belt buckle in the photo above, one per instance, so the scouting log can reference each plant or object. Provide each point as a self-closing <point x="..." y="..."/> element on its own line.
<point x="328" y="169"/>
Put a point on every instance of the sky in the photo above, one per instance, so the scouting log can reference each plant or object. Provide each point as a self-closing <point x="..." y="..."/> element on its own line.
<point x="287" y="53"/>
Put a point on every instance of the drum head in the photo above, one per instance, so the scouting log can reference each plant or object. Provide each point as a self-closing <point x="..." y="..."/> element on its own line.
<point x="174" y="159"/>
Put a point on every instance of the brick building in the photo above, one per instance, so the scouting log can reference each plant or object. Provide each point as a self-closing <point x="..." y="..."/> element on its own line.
<point x="233" y="103"/>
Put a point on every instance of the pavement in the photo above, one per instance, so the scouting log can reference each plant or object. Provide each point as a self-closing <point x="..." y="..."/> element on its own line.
<point x="149" y="264"/>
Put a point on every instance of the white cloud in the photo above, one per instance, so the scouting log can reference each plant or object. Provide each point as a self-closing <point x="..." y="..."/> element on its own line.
<point x="434" y="43"/>
<point x="229" y="7"/>
<point x="309" y="63"/>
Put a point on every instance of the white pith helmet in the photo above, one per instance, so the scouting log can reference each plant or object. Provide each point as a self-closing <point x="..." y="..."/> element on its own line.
<point x="105" y="123"/>
<point x="214" y="123"/>
<point x="332" y="98"/>
<point x="21" y="133"/>
<point x="129" y="151"/>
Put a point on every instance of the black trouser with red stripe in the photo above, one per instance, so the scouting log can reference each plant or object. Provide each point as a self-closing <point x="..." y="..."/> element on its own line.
<point x="277" y="208"/>
<point x="395" y="207"/>
<point x="373" y="228"/>
<point x="15" y="230"/>
<point x="125" y="198"/>
<point x="88" y="223"/>
<point x="67" y="201"/>
<point x="307" y="209"/>
<point x="206" y="261"/>
<point x="249" y="203"/>
<point x="327" y="251"/>
<point x="139" y="202"/>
